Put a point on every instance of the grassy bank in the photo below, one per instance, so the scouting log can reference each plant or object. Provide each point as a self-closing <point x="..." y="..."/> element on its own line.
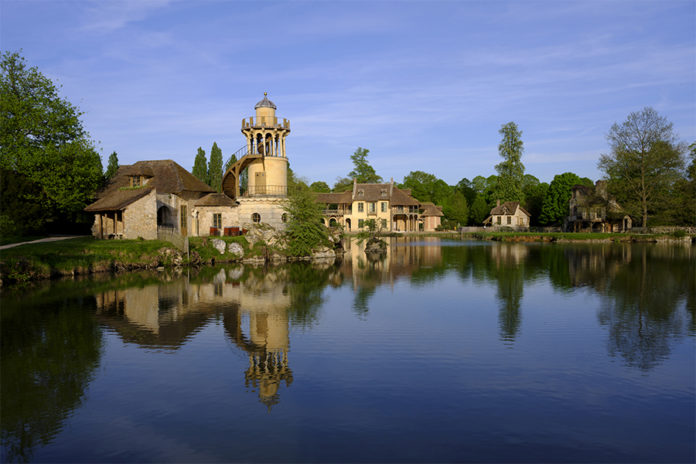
<point x="82" y="255"/>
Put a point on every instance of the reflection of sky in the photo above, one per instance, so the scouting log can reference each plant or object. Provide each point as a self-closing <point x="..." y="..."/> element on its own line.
<point x="423" y="375"/>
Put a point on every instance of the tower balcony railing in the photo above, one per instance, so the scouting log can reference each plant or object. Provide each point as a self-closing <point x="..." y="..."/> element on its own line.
<point x="265" y="191"/>
<point x="265" y="122"/>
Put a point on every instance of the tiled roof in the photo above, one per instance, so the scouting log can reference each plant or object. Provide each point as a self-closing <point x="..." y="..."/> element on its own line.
<point x="265" y="103"/>
<point x="429" y="209"/>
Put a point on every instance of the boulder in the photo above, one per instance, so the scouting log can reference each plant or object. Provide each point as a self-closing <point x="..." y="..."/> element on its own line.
<point x="323" y="253"/>
<point x="219" y="245"/>
<point x="235" y="249"/>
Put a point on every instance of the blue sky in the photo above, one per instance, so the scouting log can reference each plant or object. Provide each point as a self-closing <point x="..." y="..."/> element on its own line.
<point x="423" y="85"/>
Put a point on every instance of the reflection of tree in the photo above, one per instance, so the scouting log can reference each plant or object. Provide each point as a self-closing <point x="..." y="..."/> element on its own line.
<point x="642" y="314"/>
<point x="306" y="283"/>
<point x="510" y="290"/>
<point x="49" y="353"/>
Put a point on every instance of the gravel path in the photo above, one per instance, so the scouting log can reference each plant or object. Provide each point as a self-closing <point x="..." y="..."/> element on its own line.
<point x="41" y="240"/>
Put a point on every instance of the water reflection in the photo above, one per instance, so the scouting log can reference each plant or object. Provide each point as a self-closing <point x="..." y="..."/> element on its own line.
<point x="644" y="298"/>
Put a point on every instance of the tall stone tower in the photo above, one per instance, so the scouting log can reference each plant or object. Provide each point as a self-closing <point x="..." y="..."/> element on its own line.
<point x="265" y="161"/>
<point x="265" y="136"/>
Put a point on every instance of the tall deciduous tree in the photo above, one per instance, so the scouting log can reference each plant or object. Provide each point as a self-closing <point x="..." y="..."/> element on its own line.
<point x="554" y="207"/>
<point x="362" y="171"/>
<point x="42" y="137"/>
<point x="479" y="210"/>
<point x="320" y="186"/>
<point x="215" y="168"/>
<point x="510" y="170"/>
<point x="200" y="166"/>
<point x="112" y="167"/>
<point x="645" y="161"/>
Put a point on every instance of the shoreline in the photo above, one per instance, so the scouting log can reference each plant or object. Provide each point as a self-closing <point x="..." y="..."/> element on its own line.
<point x="86" y="256"/>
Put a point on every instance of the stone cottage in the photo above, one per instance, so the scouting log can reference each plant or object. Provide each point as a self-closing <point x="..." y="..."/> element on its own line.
<point x="146" y="197"/>
<point x="594" y="210"/>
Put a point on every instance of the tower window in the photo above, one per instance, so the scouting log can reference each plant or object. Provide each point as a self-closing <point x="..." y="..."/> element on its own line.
<point x="256" y="217"/>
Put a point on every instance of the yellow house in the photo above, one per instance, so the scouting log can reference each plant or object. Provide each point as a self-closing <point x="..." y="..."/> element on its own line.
<point x="392" y="208"/>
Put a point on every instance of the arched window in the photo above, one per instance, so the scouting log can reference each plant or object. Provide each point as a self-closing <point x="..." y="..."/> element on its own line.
<point x="284" y="217"/>
<point x="332" y="222"/>
<point x="256" y="217"/>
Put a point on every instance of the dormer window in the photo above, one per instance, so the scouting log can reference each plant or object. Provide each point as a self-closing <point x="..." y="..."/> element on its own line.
<point x="361" y="193"/>
<point x="135" y="181"/>
<point x="383" y="192"/>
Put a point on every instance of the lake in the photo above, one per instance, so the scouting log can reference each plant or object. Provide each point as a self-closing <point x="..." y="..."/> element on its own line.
<point x="439" y="351"/>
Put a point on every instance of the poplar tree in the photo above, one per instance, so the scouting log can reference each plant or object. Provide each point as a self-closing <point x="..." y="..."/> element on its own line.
<point x="200" y="166"/>
<point x="112" y="167"/>
<point x="215" y="168"/>
<point x="510" y="170"/>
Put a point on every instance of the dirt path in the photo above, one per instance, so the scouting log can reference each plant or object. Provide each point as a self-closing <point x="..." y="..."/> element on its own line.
<point x="41" y="240"/>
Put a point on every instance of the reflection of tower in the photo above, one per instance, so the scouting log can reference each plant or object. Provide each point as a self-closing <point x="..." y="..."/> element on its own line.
<point x="267" y="344"/>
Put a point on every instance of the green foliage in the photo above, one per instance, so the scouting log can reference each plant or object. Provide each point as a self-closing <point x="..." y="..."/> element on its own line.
<point x="510" y="170"/>
<point x="644" y="164"/>
<point x="112" y="167"/>
<point x="467" y="188"/>
<point x="456" y="209"/>
<point x="427" y="187"/>
<point x="304" y="229"/>
<point x="554" y="207"/>
<point x="320" y="187"/>
<point x="294" y="183"/>
<point x="534" y="200"/>
<point x="43" y="139"/>
<point x="343" y="184"/>
<point x="200" y="166"/>
<point x="230" y="161"/>
<point x="20" y="204"/>
<point x="479" y="210"/>
<point x="362" y="171"/>
<point x="215" y="168"/>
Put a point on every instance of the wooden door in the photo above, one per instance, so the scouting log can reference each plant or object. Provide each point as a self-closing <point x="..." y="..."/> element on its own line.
<point x="184" y="221"/>
<point x="260" y="183"/>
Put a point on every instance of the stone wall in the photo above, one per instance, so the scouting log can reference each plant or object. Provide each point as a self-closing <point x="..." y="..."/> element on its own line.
<point x="270" y="209"/>
<point x="204" y="218"/>
<point x="140" y="218"/>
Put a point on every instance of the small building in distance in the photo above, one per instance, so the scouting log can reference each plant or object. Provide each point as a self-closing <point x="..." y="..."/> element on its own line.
<point x="508" y="214"/>
<point x="431" y="215"/>
<point x="393" y="209"/>
<point x="592" y="209"/>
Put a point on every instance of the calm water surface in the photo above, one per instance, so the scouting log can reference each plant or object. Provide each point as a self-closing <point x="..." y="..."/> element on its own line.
<point x="442" y="351"/>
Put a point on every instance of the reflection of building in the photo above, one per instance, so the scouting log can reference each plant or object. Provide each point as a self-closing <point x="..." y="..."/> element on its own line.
<point x="592" y="209"/>
<point x="391" y="209"/>
<point x="254" y="312"/>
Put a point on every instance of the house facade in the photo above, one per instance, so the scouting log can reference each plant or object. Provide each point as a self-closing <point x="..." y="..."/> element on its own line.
<point x="393" y="209"/>
<point x="594" y="210"/>
<point x="508" y="214"/>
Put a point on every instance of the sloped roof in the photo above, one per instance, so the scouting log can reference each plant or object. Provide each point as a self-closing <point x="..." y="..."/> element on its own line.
<point x="265" y="103"/>
<point x="403" y="198"/>
<point x="372" y="192"/>
<point x="118" y="199"/>
<point x="430" y="209"/>
<point x="334" y="198"/>
<point x="508" y="208"/>
<point x="165" y="176"/>
<point x="216" y="199"/>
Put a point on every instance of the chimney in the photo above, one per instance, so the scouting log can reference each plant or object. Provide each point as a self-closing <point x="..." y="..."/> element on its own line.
<point x="497" y="202"/>
<point x="355" y="187"/>
<point x="391" y="187"/>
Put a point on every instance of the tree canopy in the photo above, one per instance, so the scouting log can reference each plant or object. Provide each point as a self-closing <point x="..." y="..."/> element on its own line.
<point x="304" y="228"/>
<point x="112" y="167"/>
<point x="43" y="139"/>
<point x="362" y="170"/>
<point x="644" y="163"/>
<point x="320" y="186"/>
<point x="554" y="207"/>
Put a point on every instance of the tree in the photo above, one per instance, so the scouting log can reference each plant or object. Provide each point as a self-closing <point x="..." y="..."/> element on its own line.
<point x="320" y="186"/>
<point x="510" y="170"/>
<point x="362" y="171"/>
<point x="467" y="188"/>
<point x="215" y="168"/>
<point x="305" y="230"/>
<point x="200" y="166"/>
<point x="554" y="207"/>
<point x="479" y="210"/>
<point x="112" y="167"/>
<point x="42" y="138"/>
<point x="343" y="184"/>
<point x="534" y="200"/>
<point x="644" y="162"/>
<point x="231" y="160"/>
<point x="456" y="209"/>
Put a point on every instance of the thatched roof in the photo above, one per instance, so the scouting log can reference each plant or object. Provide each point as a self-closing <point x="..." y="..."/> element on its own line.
<point x="118" y="199"/>
<point x="216" y="199"/>
<point x="429" y="209"/>
<point x="334" y="198"/>
<point x="508" y="208"/>
<point x="165" y="176"/>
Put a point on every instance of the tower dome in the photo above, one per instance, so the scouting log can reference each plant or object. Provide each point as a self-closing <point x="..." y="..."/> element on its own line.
<point x="265" y="103"/>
